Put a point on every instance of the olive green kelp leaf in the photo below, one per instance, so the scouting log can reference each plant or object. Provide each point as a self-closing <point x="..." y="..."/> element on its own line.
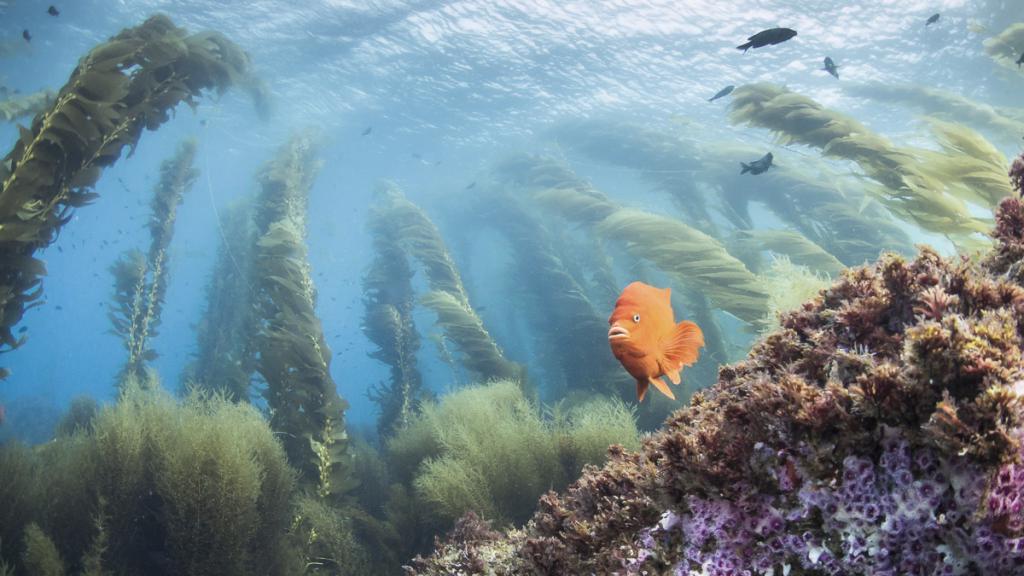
<point x="128" y="83"/>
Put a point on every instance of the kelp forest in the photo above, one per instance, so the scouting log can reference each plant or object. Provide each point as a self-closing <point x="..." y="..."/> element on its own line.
<point x="839" y="360"/>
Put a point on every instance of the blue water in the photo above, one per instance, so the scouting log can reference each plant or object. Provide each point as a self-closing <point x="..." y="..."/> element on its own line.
<point x="448" y="88"/>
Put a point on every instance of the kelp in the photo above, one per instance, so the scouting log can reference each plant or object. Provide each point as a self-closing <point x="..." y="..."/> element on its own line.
<point x="225" y="357"/>
<point x="1006" y="47"/>
<point x="691" y="257"/>
<point x="788" y="285"/>
<point x="571" y="332"/>
<point x="946" y="105"/>
<point x="804" y="194"/>
<point x="12" y="109"/>
<point x="972" y="160"/>
<point x="388" y="301"/>
<point x="126" y="84"/>
<point x="140" y="283"/>
<point x="665" y="160"/>
<point x="911" y="190"/>
<point x="793" y="245"/>
<point x="420" y="238"/>
<point x="305" y="408"/>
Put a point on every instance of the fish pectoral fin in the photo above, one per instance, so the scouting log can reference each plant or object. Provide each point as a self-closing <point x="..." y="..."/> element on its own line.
<point x="683" y="346"/>
<point x="641" y="390"/>
<point x="662" y="387"/>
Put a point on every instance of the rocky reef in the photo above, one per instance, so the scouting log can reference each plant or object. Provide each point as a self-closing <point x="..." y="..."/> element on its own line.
<point x="877" y="431"/>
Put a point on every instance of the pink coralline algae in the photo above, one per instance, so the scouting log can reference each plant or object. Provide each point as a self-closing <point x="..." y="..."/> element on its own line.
<point x="878" y="431"/>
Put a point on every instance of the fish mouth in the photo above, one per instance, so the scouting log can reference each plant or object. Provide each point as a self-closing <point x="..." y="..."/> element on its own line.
<point x="617" y="332"/>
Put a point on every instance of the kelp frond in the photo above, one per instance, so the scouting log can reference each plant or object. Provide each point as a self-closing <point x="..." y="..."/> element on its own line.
<point x="691" y="257"/>
<point x="1005" y="48"/>
<point x="128" y="83"/>
<point x="794" y="246"/>
<point x="944" y="104"/>
<point x="389" y="300"/>
<point x="139" y="306"/>
<point x="973" y="169"/>
<point x="420" y="238"/>
<point x="294" y="359"/>
<point x="911" y="191"/>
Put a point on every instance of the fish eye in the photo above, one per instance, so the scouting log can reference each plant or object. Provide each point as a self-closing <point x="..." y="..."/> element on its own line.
<point x="636" y="318"/>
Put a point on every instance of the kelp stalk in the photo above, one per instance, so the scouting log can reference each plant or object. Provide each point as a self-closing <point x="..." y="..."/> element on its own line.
<point x="126" y="84"/>
<point x="306" y="410"/>
<point x="140" y="284"/>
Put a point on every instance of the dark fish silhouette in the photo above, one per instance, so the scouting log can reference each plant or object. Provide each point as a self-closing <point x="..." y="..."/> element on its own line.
<point x="1020" y="60"/>
<point x="52" y="11"/>
<point x="831" y="67"/>
<point x="932" y="19"/>
<point x="758" y="166"/>
<point x="723" y="92"/>
<point x="470" y="186"/>
<point x="367" y="131"/>
<point x="25" y="34"/>
<point x="766" y="37"/>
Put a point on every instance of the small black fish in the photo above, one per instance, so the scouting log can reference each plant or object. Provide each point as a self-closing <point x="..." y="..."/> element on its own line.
<point x="831" y="67"/>
<point x="722" y="93"/>
<point x="202" y="122"/>
<point x="932" y="19"/>
<point x="59" y="249"/>
<point x="59" y="307"/>
<point x="25" y="34"/>
<point x="766" y="37"/>
<point x="52" y="11"/>
<point x="22" y="329"/>
<point x="471" y="185"/>
<point x="417" y="156"/>
<point x="367" y="131"/>
<point x="1020" y="60"/>
<point x="758" y="166"/>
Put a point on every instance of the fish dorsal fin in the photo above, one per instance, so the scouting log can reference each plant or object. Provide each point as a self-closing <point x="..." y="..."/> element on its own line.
<point x="682" y="347"/>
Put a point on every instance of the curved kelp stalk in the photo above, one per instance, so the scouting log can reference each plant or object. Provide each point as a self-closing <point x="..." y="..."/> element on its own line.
<point x="389" y="300"/>
<point x="138" y="307"/>
<point x="574" y="333"/>
<point x="971" y="159"/>
<point x="691" y="257"/>
<point x="27" y="105"/>
<point x="1005" y="123"/>
<point x="1005" y="48"/>
<point x="448" y="299"/>
<point x="126" y="84"/>
<point x="663" y="159"/>
<point x="225" y="358"/>
<point x="305" y="408"/>
<point x="911" y="190"/>
<point x="794" y="246"/>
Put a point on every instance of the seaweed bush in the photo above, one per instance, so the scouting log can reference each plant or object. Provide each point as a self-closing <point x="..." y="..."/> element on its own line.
<point x="128" y="83"/>
<point x="154" y="487"/>
<point x="487" y="449"/>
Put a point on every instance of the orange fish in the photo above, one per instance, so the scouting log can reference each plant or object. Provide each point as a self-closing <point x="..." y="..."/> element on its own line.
<point x="644" y="336"/>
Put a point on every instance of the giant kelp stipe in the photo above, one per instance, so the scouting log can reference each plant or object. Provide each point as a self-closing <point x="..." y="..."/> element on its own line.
<point x="374" y="325"/>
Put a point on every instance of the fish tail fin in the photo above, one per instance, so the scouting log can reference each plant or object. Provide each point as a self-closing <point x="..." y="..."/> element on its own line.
<point x="712" y="99"/>
<point x="745" y="47"/>
<point x="683" y="348"/>
<point x="662" y="387"/>
<point x="641" y="389"/>
<point x="745" y="168"/>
